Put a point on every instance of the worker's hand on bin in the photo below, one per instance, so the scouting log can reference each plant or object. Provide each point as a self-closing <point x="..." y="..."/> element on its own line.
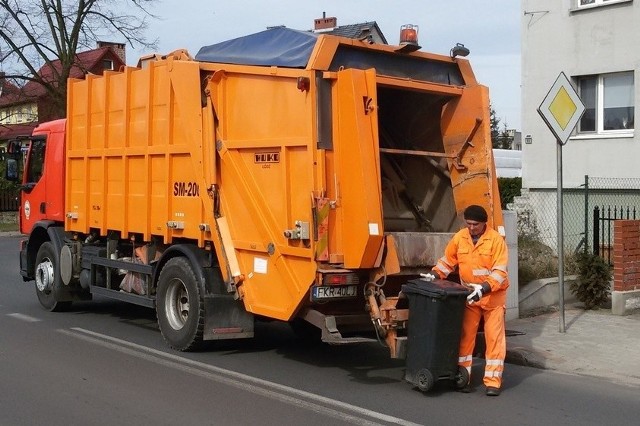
<point x="479" y="290"/>
<point x="429" y="276"/>
<point x="475" y="295"/>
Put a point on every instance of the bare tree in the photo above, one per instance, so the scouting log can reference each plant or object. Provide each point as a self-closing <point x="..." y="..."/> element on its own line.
<point x="34" y="33"/>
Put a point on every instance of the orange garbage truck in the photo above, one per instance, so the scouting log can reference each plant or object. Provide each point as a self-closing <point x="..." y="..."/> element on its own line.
<point x="284" y="175"/>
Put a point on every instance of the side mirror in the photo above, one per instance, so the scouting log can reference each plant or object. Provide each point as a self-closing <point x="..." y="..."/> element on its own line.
<point x="11" y="172"/>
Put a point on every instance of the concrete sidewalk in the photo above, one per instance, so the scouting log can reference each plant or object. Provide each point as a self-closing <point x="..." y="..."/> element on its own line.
<point x="595" y="343"/>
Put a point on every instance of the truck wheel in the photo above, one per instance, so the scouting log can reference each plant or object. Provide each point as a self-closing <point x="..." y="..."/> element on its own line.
<point x="180" y="306"/>
<point x="48" y="281"/>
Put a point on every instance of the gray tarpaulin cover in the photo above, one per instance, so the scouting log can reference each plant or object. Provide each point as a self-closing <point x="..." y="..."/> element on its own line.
<point x="278" y="46"/>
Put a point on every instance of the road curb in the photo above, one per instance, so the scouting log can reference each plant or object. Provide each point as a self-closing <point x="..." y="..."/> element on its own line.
<point x="526" y="357"/>
<point x="9" y="234"/>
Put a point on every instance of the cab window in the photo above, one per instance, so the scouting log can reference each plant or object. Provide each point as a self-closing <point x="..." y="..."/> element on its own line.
<point x="35" y="165"/>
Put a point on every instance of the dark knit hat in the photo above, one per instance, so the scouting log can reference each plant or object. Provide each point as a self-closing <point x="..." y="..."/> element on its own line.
<point x="474" y="212"/>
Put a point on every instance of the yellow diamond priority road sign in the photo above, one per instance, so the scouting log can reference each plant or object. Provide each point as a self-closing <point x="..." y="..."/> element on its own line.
<point x="561" y="108"/>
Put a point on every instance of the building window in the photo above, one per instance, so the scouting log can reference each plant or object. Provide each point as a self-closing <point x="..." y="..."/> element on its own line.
<point x="609" y="103"/>
<point x="34" y="113"/>
<point x="107" y="64"/>
<point x="598" y="2"/>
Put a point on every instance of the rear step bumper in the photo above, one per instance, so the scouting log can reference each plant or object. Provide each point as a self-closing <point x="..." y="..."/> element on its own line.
<point x="333" y="327"/>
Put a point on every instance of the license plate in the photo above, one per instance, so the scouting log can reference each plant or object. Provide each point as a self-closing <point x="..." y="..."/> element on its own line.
<point x="333" y="291"/>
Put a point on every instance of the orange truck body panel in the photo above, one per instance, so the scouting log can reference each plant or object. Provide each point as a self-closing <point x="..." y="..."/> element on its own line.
<point x="230" y="157"/>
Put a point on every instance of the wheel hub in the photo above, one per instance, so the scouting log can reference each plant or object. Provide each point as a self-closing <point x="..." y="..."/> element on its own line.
<point x="177" y="304"/>
<point x="44" y="276"/>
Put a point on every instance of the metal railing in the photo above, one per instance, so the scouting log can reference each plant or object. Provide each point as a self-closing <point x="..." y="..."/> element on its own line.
<point x="603" y="218"/>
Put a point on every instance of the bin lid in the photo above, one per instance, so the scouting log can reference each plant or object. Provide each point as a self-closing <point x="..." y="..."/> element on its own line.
<point x="436" y="288"/>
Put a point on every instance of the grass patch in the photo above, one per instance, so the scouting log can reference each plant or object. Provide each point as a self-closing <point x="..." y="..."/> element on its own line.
<point x="537" y="260"/>
<point x="6" y="227"/>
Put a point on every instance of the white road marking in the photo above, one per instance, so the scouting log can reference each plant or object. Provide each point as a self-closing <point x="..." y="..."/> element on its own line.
<point x="299" y="398"/>
<point x="24" y="317"/>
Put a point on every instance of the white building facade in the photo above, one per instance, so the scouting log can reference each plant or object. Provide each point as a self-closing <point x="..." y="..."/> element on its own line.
<point x="594" y="42"/>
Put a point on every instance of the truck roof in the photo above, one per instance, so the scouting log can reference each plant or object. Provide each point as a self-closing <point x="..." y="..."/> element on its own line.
<point x="284" y="47"/>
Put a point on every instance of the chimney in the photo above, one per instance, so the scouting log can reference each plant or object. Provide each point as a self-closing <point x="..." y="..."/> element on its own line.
<point x="325" y="23"/>
<point x="118" y="48"/>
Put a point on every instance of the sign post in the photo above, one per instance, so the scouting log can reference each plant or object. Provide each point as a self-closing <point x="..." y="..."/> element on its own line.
<point x="561" y="110"/>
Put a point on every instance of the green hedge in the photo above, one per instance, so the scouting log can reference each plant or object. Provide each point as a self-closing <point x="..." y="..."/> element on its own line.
<point x="509" y="188"/>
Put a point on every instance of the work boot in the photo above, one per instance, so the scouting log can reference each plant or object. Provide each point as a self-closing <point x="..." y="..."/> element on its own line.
<point x="491" y="391"/>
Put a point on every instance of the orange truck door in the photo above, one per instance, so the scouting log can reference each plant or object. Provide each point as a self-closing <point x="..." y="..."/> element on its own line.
<point x="33" y="198"/>
<point x="43" y="180"/>
<point x="358" y="216"/>
<point x="467" y="137"/>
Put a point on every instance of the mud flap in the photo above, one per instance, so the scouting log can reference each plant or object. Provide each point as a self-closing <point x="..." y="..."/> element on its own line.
<point x="226" y="318"/>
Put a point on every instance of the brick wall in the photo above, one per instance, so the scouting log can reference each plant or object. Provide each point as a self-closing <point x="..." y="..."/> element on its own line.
<point x="626" y="255"/>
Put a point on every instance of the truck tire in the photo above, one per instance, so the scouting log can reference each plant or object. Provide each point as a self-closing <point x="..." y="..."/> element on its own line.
<point x="48" y="281"/>
<point x="180" y="305"/>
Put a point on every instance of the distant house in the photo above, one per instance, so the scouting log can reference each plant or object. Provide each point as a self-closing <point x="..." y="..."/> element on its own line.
<point x="16" y="112"/>
<point x="22" y="108"/>
<point x="364" y="31"/>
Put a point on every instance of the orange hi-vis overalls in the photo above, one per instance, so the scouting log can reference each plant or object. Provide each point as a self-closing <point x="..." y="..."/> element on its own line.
<point x="483" y="262"/>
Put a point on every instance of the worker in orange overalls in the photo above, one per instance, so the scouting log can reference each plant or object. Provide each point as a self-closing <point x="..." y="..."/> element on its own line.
<point x="480" y="254"/>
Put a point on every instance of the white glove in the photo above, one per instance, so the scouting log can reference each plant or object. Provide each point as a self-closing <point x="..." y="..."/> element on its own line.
<point x="428" y="276"/>
<point x="476" y="295"/>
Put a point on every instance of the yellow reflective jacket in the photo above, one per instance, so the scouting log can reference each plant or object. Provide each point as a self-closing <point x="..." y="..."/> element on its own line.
<point x="486" y="261"/>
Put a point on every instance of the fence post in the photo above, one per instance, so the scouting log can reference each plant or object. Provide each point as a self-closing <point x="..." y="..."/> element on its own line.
<point x="596" y="231"/>
<point x="586" y="213"/>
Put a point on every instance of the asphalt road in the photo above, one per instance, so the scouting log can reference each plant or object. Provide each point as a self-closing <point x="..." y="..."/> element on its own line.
<point x="104" y="363"/>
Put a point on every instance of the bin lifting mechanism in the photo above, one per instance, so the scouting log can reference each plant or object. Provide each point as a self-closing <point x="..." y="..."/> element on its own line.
<point x="387" y="318"/>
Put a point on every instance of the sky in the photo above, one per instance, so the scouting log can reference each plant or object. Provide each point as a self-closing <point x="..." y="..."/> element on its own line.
<point x="489" y="28"/>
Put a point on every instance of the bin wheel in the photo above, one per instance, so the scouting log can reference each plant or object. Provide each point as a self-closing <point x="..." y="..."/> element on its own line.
<point x="424" y="380"/>
<point x="462" y="378"/>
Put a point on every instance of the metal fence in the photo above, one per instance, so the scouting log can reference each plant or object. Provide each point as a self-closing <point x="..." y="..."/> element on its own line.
<point x="603" y="218"/>
<point x="537" y="210"/>
<point x="8" y="201"/>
